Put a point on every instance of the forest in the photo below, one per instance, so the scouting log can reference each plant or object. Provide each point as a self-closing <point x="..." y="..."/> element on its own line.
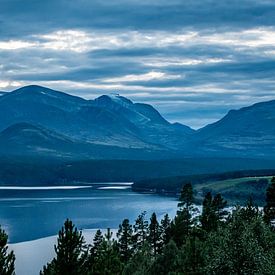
<point x="215" y="240"/>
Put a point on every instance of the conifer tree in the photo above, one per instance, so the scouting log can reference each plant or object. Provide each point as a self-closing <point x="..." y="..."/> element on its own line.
<point x="219" y="205"/>
<point x="125" y="237"/>
<point x="166" y="263"/>
<point x="243" y="246"/>
<point x="140" y="231"/>
<point x="7" y="260"/>
<point x="154" y="234"/>
<point x="182" y="225"/>
<point x="69" y="251"/>
<point x="186" y="198"/>
<point x="95" y="252"/>
<point x="165" y="230"/>
<point x="140" y="263"/>
<point x="212" y="212"/>
<point x="269" y="209"/>
<point x="190" y="256"/>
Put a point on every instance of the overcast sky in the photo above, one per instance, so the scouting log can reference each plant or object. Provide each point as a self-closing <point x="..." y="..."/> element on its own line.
<point x="192" y="59"/>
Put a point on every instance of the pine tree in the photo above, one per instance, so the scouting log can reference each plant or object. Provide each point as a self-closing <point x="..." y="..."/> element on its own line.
<point x="190" y="257"/>
<point x="94" y="253"/>
<point x="69" y="251"/>
<point x="104" y="255"/>
<point x="140" y="263"/>
<point x="154" y="234"/>
<point x="186" y="198"/>
<point x="183" y="223"/>
<point x="212" y="212"/>
<point x="207" y="218"/>
<point x="269" y="209"/>
<point x="6" y="259"/>
<point x="125" y="237"/>
<point x="140" y="231"/>
<point x="166" y="263"/>
<point x="219" y="205"/>
<point x="165" y="230"/>
<point x="243" y="246"/>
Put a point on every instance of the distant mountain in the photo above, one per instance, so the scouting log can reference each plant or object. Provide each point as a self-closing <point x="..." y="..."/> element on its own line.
<point x="249" y="131"/>
<point x="107" y="120"/>
<point x="40" y="121"/>
<point x="24" y="139"/>
<point x="149" y="125"/>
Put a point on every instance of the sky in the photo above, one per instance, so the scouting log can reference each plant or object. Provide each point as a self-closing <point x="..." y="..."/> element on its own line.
<point x="193" y="60"/>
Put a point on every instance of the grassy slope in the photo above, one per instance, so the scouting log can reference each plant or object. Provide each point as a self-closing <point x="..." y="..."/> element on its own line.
<point x="236" y="190"/>
<point x="236" y="187"/>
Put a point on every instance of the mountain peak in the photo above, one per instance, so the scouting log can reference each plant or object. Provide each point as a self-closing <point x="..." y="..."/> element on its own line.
<point x="114" y="98"/>
<point x="33" y="88"/>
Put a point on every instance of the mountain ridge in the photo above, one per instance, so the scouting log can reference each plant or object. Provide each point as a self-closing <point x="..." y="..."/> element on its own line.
<point x="114" y="121"/>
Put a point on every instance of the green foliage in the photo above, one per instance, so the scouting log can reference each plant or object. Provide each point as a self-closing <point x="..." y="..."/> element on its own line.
<point x="104" y="257"/>
<point x="165" y="229"/>
<point x="190" y="259"/>
<point x="125" y="240"/>
<point x="140" y="263"/>
<point x="167" y="261"/>
<point x="212" y="212"/>
<point x="186" y="198"/>
<point x="184" y="221"/>
<point x="216" y="242"/>
<point x="6" y="259"/>
<point x="269" y="209"/>
<point x="141" y="231"/>
<point x="154" y="234"/>
<point x="69" y="250"/>
<point x="241" y="247"/>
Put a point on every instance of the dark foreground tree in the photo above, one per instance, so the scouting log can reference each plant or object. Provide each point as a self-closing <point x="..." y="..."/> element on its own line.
<point x="184" y="221"/>
<point x="212" y="212"/>
<point x="125" y="239"/>
<point x="6" y="259"/>
<point x="154" y="234"/>
<point x="141" y="232"/>
<point x="269" y="209"/>
<point x="165" y="230"/>
<point x="243" y="246"/>
<point x="140" y="263"/>
<point x="167" y="261"/>
<point x="69" y="251"/>
<point x="236" y="243"/>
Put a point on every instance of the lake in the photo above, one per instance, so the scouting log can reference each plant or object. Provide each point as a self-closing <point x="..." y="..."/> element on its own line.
<point x="32" y="213"/>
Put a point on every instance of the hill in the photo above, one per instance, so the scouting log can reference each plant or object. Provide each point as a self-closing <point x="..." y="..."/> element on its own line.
<point x="249" y="131"/>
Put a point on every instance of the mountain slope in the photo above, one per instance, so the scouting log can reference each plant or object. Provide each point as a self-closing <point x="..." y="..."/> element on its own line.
<point x="248" y="131"/>
<point x="115" y="127"/>
<point x="150" y="125"/>
<point x="24" y="139"/>
<point x="107" y="120"/>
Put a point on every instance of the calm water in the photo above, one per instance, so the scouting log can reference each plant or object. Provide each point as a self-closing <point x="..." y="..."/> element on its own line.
<point x="29" y="214"/>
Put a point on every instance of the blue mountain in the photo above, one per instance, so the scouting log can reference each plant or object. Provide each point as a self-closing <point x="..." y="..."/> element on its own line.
<point x="112" y="121"/>
<point x="42" y="121"/>
<point x="249" y="131"/>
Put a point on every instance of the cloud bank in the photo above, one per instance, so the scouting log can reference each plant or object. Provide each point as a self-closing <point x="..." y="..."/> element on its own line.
<point x="193" y="60"/>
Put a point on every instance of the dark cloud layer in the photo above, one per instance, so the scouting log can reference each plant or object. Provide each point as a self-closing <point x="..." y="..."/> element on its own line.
<point x="194" y="60"/>
<point x="32" y="16"/>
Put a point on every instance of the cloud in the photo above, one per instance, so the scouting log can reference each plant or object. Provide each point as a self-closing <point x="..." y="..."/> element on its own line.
<point x="15" y="45"/>
<point x="143" y="77"/>
<point x="193" y="60"/>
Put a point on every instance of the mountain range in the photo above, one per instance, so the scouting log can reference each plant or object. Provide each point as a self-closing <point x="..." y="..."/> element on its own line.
<point x="42" y="122"/>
